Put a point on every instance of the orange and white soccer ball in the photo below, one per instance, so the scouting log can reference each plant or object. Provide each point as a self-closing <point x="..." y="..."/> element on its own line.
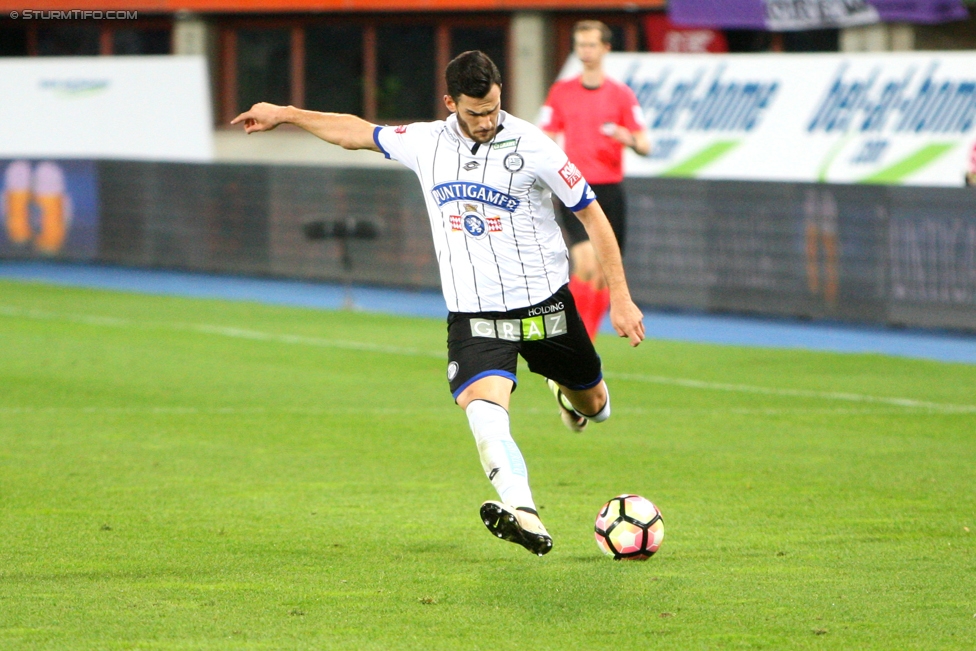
<point x="629" y="527"/>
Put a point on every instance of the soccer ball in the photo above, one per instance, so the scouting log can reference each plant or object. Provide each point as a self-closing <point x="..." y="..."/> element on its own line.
<point x="629" y="527"/>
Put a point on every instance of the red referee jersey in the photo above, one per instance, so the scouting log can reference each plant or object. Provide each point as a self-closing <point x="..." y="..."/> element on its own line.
<point x="580" y="113"/>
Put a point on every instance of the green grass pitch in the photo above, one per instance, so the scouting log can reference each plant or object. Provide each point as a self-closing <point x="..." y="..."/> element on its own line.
<point x="190" y="474"/>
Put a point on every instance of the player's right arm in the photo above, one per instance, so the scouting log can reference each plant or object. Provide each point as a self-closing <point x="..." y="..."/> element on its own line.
<point x="342" y="129"/>
<point x="565" y="181"/>
<point x="625" y="316"/>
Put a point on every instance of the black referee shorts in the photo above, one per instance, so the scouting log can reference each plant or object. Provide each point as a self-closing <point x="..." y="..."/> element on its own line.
<point x="611" y="198"/>
<point x="550" y="336"/>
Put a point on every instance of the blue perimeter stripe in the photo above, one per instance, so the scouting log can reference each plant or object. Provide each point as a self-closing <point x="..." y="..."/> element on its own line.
<point x="376" y="139"/>
<point x="716" y="329"/>
<point x="586" y="200"/>
<point x="484" y="374"/>
<point x="584" y="387"/>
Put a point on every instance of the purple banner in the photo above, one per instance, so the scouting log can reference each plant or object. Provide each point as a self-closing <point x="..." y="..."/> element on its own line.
<point x="729" y="14"/>
<point x="920" y="11"/>
<point x="791" y="15"/>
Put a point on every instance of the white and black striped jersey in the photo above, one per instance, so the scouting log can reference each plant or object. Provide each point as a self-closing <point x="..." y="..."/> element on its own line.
<point x="498" y="245"/>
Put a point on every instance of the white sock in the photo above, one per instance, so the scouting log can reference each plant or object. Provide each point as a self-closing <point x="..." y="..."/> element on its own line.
<point x="500" y="457"/>
<point x="604" y="413"/>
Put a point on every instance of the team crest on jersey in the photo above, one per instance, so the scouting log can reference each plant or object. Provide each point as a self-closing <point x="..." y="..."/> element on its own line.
<point x="475" y="224"/>
<point x="513" y="162"/>
<point x="570" y="174"/>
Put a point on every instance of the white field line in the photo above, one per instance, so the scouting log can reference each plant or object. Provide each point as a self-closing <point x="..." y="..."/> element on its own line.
<point x="176" y="410"/>
<point x="224" y="331"/>
<point x="148" y="410"/>
<point x="908" y="403"/>
<point x="255" y="335"/>
<point x="222" y="411"/>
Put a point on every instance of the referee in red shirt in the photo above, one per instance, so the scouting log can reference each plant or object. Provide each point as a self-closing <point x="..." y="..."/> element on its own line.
<point x="597" y="118"/>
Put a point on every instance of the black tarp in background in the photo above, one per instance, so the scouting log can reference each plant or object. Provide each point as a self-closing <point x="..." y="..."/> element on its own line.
<point x="904" y="256"/>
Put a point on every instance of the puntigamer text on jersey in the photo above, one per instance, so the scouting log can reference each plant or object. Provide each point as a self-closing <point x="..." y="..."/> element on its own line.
<point x="467" y="191"/>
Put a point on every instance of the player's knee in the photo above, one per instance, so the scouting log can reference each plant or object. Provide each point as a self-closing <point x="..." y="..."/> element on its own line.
<point x="602" y="408"/>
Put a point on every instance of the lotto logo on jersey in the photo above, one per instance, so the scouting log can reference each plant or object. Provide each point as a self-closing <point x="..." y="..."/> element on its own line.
<point x="402" y="129"/>
<point x="570" y="174"/>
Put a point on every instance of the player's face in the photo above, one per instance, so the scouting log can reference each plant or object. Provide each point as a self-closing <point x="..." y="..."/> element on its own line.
<point x="478" y="118"/>
<point x="589" y="47"/>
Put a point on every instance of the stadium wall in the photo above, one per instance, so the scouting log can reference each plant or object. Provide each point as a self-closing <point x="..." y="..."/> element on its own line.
<point x="879" y="254"/>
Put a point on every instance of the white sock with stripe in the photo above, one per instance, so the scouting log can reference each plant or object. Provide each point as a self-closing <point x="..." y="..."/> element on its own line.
<point x="500" y="456"/>
<point x="604" y="413"/>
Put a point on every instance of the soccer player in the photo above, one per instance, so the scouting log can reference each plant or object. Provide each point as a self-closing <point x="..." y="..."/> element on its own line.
<point x="597" y="117"/>
<point x="488" y="178"/>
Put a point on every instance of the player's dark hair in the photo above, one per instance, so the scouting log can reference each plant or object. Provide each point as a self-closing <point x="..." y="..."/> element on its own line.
<point x="471" y="73"/>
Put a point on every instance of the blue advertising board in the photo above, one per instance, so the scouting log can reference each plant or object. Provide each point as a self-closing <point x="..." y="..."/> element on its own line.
<point x="49" y="209"/>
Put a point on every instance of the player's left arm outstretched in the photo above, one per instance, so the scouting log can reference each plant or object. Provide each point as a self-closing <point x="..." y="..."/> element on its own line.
<point x="626" y="317"/>
<point x="342" y="129"/>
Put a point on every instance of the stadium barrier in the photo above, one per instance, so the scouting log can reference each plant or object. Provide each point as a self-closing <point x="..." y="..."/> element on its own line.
<point x="881" y="254"/>
<point x="865" y="253"/>
<point x="252" y="219"/>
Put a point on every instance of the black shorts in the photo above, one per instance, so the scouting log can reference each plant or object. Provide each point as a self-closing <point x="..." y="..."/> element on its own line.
<point x="611" y="198"/>
<point x="550" y="336"/>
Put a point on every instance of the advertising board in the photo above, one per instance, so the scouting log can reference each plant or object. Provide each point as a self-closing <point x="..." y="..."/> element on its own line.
<point x="49" y="209"/>
<point x="892" y="118"/>
<point x="138" y="107"/>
